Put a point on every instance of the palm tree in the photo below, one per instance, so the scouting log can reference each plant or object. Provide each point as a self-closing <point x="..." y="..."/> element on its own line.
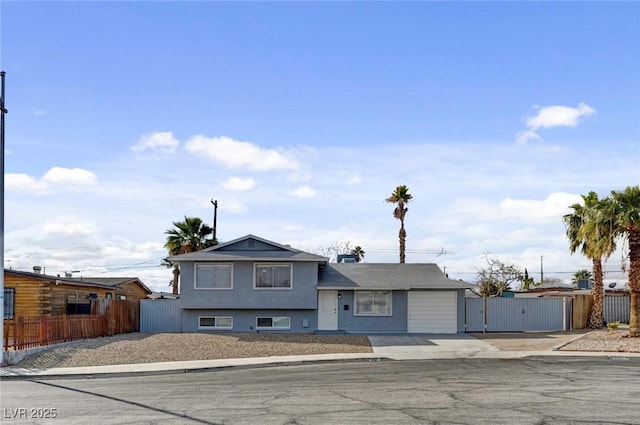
<point x="400" y="197"/>
<point x="187" y="236"/>
<point x="358" y="252"/>
<point x="583" y="274"/>
<point x="589" y="230"/>
<point x="625" y="212"/>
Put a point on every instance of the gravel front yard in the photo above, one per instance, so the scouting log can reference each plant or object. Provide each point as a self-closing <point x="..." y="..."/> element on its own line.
<point x="167" y="347"/>
<point x="603" y="340"/>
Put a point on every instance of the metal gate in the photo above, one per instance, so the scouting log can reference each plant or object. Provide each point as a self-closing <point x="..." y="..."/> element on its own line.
<point x="517" y="314"/>
<point x="616" y="308"/>
<point x="160" y="316"/>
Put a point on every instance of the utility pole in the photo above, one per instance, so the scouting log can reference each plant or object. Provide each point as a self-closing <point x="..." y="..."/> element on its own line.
<point x="541" y="271"/>
<point x="215" y="217"/>
<point x="2" y="112"/>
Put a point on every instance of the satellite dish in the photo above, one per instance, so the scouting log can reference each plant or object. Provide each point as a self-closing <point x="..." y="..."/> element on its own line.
<point x="612" y="285"/>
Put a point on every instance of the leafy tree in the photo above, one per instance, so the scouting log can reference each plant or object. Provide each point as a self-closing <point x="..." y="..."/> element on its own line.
<point x="551" y="281"/>
<point x="186" y="236"/>
<point x="625" y="213"/>
<point x="583" y="274"/>
<point x="401" y="197"/>
<point x="589" y="229"/>
<point x="497" y="278"/>
<point x="358" y="252"/>
<point x="340" y="248"/>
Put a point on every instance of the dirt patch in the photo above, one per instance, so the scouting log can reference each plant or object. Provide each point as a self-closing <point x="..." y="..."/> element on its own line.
<point x="529" y="341"/>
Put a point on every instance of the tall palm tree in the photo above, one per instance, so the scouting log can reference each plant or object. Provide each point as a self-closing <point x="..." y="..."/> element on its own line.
<point x="626" y="215"/>
<point x="401" y="198"/>
<point x="186" y="236"/>
<point x="589" y="230"/>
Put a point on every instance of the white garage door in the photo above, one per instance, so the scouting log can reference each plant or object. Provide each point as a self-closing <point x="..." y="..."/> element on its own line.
<point x="432" y="312"/>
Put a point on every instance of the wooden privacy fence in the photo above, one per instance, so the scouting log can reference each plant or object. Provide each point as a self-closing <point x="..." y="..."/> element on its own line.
<point x="109" y="317"/>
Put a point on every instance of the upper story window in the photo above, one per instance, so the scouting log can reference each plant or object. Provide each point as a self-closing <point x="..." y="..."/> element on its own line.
<point x="214" y="276"/>
<point x="273" y="276"/>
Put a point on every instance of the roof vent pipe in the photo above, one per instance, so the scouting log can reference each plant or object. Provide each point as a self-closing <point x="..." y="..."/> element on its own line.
<point x="37" y="269"/>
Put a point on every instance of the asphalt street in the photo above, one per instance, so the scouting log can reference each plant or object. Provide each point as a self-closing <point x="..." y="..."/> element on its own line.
<point x="551" y="390"/>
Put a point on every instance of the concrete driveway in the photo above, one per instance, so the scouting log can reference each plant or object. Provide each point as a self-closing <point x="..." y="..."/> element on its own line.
<point x="429" y="346"/>
<point x="434" y="346"/>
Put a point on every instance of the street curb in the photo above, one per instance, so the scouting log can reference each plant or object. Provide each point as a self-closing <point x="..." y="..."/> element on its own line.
<point x="84" y="375"/>
<point x="32" y="375"/>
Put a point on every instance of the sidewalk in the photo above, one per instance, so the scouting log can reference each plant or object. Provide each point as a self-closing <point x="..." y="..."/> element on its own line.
<point x="385" y="347"/>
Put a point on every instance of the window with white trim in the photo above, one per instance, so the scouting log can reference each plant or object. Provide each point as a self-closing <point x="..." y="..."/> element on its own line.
<point x="213" y="276"/>
<point x="215" y="322"/>
<point x="272" y="276"/>
<point x="372" y="303"/>
<point x="273" y="322"/>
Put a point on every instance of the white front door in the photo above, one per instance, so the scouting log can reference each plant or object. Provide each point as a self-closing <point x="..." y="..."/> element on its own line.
<point x="327" y="310"/>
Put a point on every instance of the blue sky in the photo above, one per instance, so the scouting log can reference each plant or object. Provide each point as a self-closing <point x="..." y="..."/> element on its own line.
<point x="301" y="118"/>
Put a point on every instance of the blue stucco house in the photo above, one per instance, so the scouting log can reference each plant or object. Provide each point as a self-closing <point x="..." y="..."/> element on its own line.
<point x="252" y="284"/>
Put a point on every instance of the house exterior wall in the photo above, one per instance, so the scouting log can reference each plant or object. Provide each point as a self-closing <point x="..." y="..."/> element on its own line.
<point x="461" y="305"/>
<point x="396" y="323"/>
<point x="302" y="295"/>
<point x="39" y="295"/>
<point x="131" y="290"/>
<point x="302" y="321"/>
<point x="27" y="297"/>
<point x="348" y="322"/>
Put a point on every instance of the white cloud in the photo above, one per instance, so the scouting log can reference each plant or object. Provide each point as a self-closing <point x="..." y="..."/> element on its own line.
<point x="526" y="211"/>
<point x="559" y="116"/>
<point x="24" y="183"/>
<point x="237" y="154"/>
<point x="50" y="229"/>
<point x="553" y="116"/>
<point x="70" y="176"/>
<point x="162" y="142"/>
<point x="524" y="136"/>
<point x="238" y="184"/>
<point x="303" y="192"/>
<point x="55" y="176"/>
<point x="552" y="207"/>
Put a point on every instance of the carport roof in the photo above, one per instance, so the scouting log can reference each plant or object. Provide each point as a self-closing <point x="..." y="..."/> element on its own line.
<point x="387" y="276"/>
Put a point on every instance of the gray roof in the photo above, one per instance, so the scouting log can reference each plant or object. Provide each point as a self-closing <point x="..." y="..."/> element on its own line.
<point x="225" y="252"/>
<point x="111" y="281"/>
<point x="60" y="280"/>
<point x="387" y="276"/>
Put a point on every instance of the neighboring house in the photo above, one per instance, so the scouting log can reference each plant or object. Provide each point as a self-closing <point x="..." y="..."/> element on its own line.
<point x="253" y="284"/>
<point x="553" y="289"/>
<point x="36" y="294"/>
<point x="125" y="288"/>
